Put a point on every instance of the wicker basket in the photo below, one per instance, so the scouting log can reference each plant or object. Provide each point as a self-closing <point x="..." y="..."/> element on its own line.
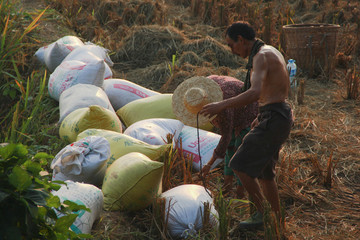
<point x="313" y="46"/>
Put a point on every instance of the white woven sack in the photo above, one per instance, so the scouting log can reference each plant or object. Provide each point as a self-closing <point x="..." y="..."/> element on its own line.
<point x="86" y="55"/>
<point x="184" y="210"/>
<point x="81" y="96"/>
<point x="82" y="194"/>
<point x="93" y="48"/>
<point x="40" y="55"/>
<point x="72" y="72"/>
<point x="154" y="130"/>
<point x="208" y="143"/>
<point x="82" y="161"/>
<point x="121" y="92"/>
<point x="55" y="52"/>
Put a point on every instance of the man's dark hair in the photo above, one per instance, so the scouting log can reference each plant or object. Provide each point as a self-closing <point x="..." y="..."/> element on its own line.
<point x="241" y="28"/>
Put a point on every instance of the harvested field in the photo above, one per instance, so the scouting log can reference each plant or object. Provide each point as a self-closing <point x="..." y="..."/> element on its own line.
<point x="158" y="44"/>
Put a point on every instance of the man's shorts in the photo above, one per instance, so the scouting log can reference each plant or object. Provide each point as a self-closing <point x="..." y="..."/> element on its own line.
<point x="259" y="151"/>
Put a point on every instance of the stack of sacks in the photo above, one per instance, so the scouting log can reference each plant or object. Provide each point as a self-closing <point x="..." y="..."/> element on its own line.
<point x="132" y="182"/>
<point x="85" y="106"/>
<point x="184" y="210"/>
<point x="53" y="54"/>
<point x="121" y="92"/>
<point x="155" y="130"/>
<point x="208" y="142"/>
<point x="121" y="144"/>
<point x="82" y="161"/>
<point x="78" y="73"/>
<point x="82" y="194"/>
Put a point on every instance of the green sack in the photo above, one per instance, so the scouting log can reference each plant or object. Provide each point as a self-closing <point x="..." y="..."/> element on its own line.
<point x="90" y="117"/>
<point x="157" y="106"/>
<point x="132" y="182"/>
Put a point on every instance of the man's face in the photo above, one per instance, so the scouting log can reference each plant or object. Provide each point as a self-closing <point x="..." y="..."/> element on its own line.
<point x="236" y="46"/>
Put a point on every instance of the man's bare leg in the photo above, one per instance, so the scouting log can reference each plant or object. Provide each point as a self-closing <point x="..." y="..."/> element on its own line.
<point x="253" y="188"/>
<point x="228" y="187"/>
<point x="240" y="192"/>
<point x="271" y="193"/>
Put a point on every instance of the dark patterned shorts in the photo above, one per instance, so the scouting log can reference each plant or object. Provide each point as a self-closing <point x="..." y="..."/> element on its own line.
<point x="259" y="151"/>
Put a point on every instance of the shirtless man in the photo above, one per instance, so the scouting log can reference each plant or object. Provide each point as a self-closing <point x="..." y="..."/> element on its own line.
<point x="268" y="84"/>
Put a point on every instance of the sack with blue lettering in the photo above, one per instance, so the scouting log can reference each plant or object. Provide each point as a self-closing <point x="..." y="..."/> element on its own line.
<point x="208" y="143"/>
<point x="82" y="194"/>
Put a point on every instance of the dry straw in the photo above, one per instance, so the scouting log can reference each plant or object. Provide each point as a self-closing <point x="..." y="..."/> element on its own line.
<point x="140" y="48"/>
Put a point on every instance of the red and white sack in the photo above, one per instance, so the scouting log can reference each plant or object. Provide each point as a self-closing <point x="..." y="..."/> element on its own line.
<point x="72" y="72"/>
<point x="55" y="52"/>
<point x="208" y="143"/>
<point x="155" y="130"/>
<point x="92" y="53"/>
<point x="82" y="194"/>
<point x="82" y="161"/>
<point x="121" y="92"/>
<point x="184" y="210"/>
<point x="82" y="96"/>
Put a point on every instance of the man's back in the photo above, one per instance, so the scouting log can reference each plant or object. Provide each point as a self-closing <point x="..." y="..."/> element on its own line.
<point x="275" y="85"/>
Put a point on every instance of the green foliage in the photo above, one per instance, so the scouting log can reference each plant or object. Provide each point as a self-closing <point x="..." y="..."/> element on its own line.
<point x="31" y="114"/>
<point x="31" y="120"/>
<point x="173" y="63"/>
<point x="28" y="209"/>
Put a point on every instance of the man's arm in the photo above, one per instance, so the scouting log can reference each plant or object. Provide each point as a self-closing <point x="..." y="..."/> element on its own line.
<point x="251" y="95"/>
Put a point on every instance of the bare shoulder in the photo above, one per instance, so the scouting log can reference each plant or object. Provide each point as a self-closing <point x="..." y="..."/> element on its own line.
<point x="270" y="51"/>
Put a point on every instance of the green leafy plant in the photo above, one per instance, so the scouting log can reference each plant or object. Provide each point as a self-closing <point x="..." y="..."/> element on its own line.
<point x="173" y="64"/>
<point x="20" y="126"/>
<point x="28" y="208"/>
<point x="12" y="46"/>
<point x="225" y="209"/>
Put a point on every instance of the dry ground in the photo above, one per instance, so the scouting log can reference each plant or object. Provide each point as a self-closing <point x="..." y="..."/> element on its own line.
<point x="326" y="133"/>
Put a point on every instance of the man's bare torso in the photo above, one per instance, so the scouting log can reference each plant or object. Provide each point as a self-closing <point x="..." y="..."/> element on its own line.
<point x="275" y="86"/>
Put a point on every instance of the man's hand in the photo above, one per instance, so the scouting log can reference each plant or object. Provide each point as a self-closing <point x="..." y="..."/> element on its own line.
<point x="211" y="109"/>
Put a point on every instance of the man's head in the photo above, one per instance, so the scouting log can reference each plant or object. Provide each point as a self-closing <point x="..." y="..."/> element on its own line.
<point x="238" y="37"/>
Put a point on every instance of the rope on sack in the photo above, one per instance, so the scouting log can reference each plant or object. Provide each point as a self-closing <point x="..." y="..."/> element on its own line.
<point x="198" y="138"/>
<point x="189" y="232"/>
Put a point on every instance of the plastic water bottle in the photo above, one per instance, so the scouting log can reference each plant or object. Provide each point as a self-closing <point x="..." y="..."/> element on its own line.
<point x="291" y="66"/>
